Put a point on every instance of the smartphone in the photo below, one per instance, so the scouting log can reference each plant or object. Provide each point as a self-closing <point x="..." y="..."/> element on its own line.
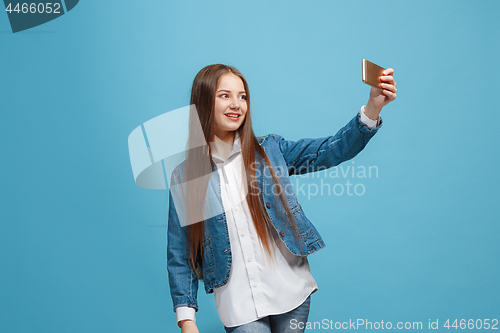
<point x="372" y="74"/>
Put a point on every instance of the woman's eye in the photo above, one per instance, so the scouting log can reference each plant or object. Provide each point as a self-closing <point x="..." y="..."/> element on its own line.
<point x="227" y="96"/>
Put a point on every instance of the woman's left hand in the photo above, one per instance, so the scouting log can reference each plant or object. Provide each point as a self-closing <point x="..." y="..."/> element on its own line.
<point x="380" y="98"/>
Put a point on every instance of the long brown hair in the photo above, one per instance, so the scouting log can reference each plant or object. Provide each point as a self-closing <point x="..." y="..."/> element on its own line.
<point x="199" y="165"/>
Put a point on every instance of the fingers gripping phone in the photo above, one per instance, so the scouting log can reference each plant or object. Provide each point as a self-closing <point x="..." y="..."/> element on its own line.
<point x="372" y="74"/>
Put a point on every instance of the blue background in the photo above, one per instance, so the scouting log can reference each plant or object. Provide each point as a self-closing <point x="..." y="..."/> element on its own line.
<point x="83" y="249"/>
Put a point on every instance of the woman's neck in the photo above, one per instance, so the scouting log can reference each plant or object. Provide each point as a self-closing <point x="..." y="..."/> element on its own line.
<point x="222" y="145"/>
<point x="227" y="137"/>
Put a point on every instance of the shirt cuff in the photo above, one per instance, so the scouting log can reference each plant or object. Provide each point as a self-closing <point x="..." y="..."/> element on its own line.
<point x="367" y="121"/>
<point x="185" y="312"/>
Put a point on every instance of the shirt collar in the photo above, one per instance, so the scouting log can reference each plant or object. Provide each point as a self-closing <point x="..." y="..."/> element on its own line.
<point x="235" y="150"/>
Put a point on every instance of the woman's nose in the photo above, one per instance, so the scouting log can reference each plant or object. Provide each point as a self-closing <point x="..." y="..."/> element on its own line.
<point x="235" y="104"/>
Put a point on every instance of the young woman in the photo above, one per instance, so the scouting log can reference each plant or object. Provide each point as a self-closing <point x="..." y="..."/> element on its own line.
<point x="234" y="221"/>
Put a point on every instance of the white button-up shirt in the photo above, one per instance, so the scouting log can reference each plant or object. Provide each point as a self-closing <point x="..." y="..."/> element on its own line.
<point x="256" y="287"/>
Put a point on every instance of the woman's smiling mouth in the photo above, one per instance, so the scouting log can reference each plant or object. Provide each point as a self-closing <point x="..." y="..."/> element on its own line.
<point x="232" y="116"/>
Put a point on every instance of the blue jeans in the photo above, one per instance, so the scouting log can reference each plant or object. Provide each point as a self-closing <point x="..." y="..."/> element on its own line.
<point x="288" y="322"/>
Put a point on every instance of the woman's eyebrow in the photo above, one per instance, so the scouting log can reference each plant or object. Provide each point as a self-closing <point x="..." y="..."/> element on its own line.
<point x="243" y="91"/>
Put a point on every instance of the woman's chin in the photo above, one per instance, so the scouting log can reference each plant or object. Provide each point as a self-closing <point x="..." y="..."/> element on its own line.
<point x="232" y="127"/>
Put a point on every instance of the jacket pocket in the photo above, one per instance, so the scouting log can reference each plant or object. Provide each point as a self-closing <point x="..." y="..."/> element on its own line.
<point x="305" y="226"/>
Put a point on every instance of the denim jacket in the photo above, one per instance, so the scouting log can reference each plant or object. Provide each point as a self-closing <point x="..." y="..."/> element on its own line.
<point x="287" y="158"/>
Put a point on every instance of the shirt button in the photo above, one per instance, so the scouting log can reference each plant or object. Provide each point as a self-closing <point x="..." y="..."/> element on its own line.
<point x="237" y="208"/>
<point x="243" y="234"/>
<point x="268" y="205"/>
<point x="249" y="259"/>
<point x="255" y="284"/>
<point x="282" y="233"/>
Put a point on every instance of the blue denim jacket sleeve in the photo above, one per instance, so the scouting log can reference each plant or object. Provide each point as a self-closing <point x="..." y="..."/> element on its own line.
<point x="182" y="280"/>
<point x="308" y="155"/>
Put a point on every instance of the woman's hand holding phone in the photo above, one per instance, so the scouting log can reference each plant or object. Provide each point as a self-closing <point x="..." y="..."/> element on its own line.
<point x="383" y="96"/>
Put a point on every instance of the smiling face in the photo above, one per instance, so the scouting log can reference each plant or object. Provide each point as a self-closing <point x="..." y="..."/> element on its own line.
<point x="230" y="106"/>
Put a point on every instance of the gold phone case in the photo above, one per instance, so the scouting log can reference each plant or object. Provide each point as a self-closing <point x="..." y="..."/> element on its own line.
<point x="372" y="74"/>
